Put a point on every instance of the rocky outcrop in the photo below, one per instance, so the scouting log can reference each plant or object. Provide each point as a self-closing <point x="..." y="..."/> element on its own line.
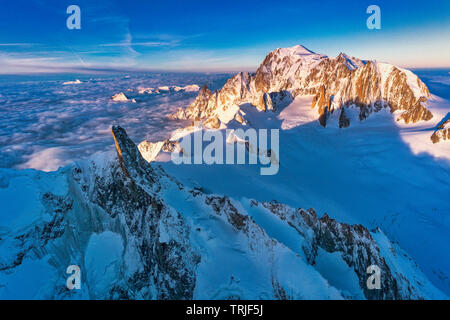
<point x="334" y="82"/>
<point x="440" y="135"/>
<point x="358" y="249"/>
<point x="354" y="243"/>
<point x="121" y="97"/>
<point x="128" y="192"/>
<point x="442" y="131"/>
<point x="344" y="122"/>
<point x="200" y="108"/>
<point x="212" y="123"/>
<point x="268" y="103"/>
<point x="323" y="103"/>
<point x="400" y="96"/>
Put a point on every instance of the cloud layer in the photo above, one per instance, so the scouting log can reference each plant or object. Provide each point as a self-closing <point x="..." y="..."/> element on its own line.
<point x="46" y="124"/>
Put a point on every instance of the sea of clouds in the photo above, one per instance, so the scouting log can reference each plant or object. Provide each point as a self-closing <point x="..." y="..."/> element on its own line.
<point x="48" y="121"/>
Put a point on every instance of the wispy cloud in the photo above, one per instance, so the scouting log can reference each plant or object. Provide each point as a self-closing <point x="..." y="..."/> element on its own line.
<point x="151" y="40"/>
<point x="16" y="64"/>
<point x="27" y="63"/>
<point x="17" y="44"/>
<point x="144" y="44"/>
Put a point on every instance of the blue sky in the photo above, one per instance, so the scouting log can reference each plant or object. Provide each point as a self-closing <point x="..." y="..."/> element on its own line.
<point x="215" y="35"/>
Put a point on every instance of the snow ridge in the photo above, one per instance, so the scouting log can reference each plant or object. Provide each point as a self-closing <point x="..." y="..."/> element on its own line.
<point x="166" y="241"/>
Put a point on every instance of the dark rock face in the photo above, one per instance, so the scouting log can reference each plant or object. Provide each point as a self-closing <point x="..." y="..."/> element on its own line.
<point x="354" y="242"/>
<point x="222" y="205"/>
<point x="323" y="102"/>
<point x="400" y="96"/>
<point x="442" y="134"/>
<point x="199" y="108"/>
<point x="358" y="250"/>
<point x="130" y="158"/>
<point x="125" y="190"/>
<point x="344" y="122"/>
<point x="129" y="193"/>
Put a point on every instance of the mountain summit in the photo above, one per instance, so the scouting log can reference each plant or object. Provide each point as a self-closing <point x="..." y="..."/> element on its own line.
<point x="336" y="84"/>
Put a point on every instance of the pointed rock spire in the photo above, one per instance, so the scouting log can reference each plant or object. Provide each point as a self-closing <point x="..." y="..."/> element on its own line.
<point x="131" y="160"/>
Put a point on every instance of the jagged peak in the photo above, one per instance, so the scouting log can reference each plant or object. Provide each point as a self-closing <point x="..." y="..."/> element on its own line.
<point x="130" y="158"/>
<point x="345" y="56"/>
<point x="124" y="145"/>
<point x="351" y="62"/>
<point x="301" y="50"/>
<point x="442" y="130"/>
<point x="297" y="51"/>
<point x="204" y="91"/>
<point x="302" y="72"/>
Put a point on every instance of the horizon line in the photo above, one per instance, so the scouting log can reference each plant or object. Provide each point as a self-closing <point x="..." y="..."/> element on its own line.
<point x="112" y="70"/>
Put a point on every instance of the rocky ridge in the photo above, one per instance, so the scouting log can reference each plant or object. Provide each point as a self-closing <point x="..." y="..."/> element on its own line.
<point x="442" y="131"/>
<point x="166" y="230"/>
<point x="335" y="83"/>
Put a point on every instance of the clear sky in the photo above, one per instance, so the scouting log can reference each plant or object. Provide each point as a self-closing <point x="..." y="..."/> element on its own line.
<point x="226" y="35"/>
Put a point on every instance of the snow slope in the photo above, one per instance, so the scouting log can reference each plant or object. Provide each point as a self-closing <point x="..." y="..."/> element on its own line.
<point x="138" y="233"/>
<point x="163" y="231"/>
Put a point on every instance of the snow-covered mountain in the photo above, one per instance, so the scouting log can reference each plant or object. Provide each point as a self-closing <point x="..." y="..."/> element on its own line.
<point x="121" y="97"/>
<point x="141" y="227"/>
<point x="336" y="84"/>
<point x="138" y="233"/>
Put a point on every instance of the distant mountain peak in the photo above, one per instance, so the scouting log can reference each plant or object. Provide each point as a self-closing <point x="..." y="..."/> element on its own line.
<point x="301" y="50"/>
<point x="296" y="52"/>
<point x="351" y="62"/>
<point x="335" y="83"/>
